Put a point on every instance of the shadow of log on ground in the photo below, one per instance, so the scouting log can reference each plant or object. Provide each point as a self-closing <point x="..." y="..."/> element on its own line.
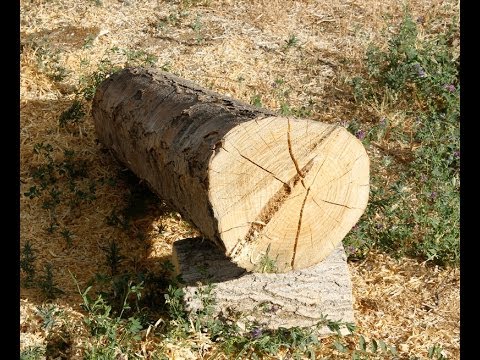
<point x="86" y="217"/>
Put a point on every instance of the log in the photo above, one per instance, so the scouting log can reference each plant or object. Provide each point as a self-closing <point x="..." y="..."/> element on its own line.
<point x="299" y="298"/>
<point x="256" y="184"/>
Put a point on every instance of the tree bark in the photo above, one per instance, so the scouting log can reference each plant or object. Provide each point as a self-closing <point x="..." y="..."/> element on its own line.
<point x="256" y="184"/>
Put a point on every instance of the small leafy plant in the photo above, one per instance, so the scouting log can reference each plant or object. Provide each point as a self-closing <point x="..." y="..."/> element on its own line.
<point x="47" y="284"/>
<point x="27" y="263"/>
<point x="292" y="41"/>
<point x="266" y="263"/>
<point x="91" y="82"/>
<point x="72" y="115"/>
<point x="112" y="334"/>
<point x="113" y="257"/>
<point x="61" y="178"/>
<point x="256" y="100"/>
<point x="32" y="353"/>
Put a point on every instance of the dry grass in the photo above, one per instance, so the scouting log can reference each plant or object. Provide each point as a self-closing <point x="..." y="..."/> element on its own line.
<point x="239" y="48"/>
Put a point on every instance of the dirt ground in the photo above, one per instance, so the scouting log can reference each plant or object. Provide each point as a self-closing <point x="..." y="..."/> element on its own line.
<point x="237" y="48"/>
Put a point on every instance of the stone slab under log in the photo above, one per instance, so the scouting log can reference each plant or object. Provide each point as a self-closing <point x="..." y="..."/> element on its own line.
<point x="299" y="298"/>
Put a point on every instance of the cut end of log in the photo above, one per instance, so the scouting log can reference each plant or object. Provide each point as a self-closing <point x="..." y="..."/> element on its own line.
<point x="287" y="191"/>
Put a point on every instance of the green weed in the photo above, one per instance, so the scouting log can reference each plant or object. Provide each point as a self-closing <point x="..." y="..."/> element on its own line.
<point x="174" y="301"/>
<point x="97" y="2"/>
<point x="166" y="67"/>
<point x="48" y="60"/>
<point x="365" y="349"/>
<point x="90" y="83"/>
<point x="266" y="263"/>
<point x="197" y="27"/>
<point x="58" y="338"/>
<point x="32" y="353"/>
<point x="436" y="352"/>
<point x="417" y="214"/>
<point x="27" y="263"/>
<point x="256" y="101"/>
<point x="56" y="179"/>
<point x="190" y="3"/>
<point x="139" y="58"/>
<point x="88" y="42"/>
<point x="113" y="257"/>
<point x="67" y="235"/>
<point x="113" y="331"/>
<point x="33" y="192"/>
<point x="282" y="93"/>
<point x="47" y="284"/>
<point x="48" y="313"/>
<point x="292" y="41"/>
<point x="73" y="115"/>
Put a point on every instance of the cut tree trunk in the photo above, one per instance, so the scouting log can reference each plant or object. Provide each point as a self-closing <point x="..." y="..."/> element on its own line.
<point x="260" y="186"/>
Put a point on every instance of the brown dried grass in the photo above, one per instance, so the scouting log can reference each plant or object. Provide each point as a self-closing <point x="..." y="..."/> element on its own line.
<point x="238" y="48"/>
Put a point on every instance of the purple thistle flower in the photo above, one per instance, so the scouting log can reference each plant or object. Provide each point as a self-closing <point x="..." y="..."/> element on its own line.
<point x="420" y="72"/>
<point x="433" y="195"/>
<point x="449" y="87"/>
<point x="360" y="134"/>
<point x="383" y="121"/>
<point x="350" y="249"/>
<point x="456" y="154"/>
<point x="275" y="308"/>
<point x="257" y="332"/>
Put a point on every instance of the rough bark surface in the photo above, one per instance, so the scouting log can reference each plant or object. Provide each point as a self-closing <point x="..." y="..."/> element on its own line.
<point x="297" y="298"/>
<point x="254" y="183"/>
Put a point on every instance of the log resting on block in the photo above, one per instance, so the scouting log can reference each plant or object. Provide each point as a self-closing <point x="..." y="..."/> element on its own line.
<point x="254" y="183"/>
<point x="297" y="298"/>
